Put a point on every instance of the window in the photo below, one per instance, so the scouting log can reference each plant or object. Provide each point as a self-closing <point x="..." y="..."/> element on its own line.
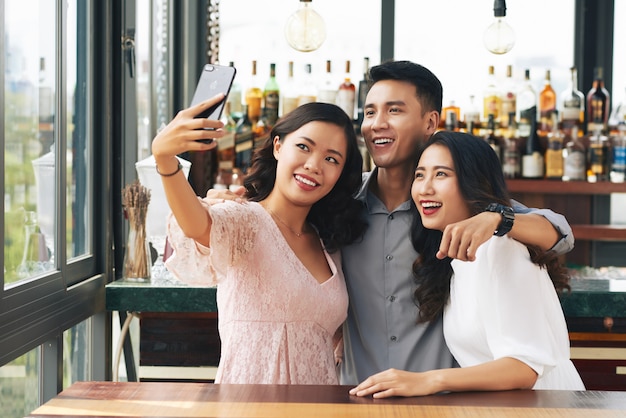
<point x="619" y="62"/>
<point x="447" y="38"/>
<point x="55" y="244"/>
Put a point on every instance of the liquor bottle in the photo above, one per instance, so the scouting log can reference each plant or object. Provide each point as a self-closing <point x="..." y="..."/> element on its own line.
<point x="450" y="117"/>
<point x="618" y="166"/>
<point x="508" y="98"/>
<point x="308" y="91"/>
<point x="234" y="99"/>
<point x="526" y="107"/>
<point x="290" y="94"/>
<point x="362" y="93"/>
<point x="598" y="156"/>
<point x="346" y="95"/>
<point x="490" y="136"/>
<point x="244" y="141"/>
<point x="547" y="106"/>
<point x="532" y="160"/>
<point x="511" y="164"/>
<point x="491" y="97"/>
<point x="471" y="117"/>
<point x="327" y="91"/>
<point x="254" y="96"/>
<point x="572" y="107"/>
<point x="598" y="100"/>
<point x="574" y="157"/>
<point x="554" y="151"/>
<point x="271" y="97"/>
<point x="226" y="144"/>
<point x="261" y="129"/>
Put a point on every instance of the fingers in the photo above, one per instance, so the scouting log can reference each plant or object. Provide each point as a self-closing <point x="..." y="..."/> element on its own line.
<point x="192" y="111"/>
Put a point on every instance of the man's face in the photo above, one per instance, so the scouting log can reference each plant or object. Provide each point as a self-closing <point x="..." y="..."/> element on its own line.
<point x="394" y="123"/>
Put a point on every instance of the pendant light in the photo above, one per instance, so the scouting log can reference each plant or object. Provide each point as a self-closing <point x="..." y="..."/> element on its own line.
<point x="499" y="37"/>
<point x="305" y="29"/>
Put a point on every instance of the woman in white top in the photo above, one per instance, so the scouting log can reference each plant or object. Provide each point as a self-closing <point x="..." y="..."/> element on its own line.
<point x="503" y="321"/>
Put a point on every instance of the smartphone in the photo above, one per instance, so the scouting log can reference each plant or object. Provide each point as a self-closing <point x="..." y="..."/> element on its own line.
<point x="214" y="79"/>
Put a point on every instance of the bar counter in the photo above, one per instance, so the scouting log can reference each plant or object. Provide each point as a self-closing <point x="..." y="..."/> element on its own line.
<point x="589" y="297"/>
<point x="151" y="399"/>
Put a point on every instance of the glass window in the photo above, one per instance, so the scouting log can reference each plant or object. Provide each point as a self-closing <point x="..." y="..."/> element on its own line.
<point x="76" y="353"/>
<point x="619" y="63"/>
<point x="29" y="131"/>
<point x="34" y="139"/>
<point x="447" y="37"/>
<point x="245" y="37"/>
<point x="19" y="385"/>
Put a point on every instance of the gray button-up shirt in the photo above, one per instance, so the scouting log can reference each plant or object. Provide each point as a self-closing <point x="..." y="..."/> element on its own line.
<point x="381" y="331"/>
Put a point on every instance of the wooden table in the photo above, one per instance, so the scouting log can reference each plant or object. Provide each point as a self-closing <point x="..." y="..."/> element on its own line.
<point x="145" y="399"/>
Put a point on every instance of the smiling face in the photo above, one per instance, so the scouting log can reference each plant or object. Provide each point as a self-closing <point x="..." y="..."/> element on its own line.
<point x="436" y="191"/>
<point x="395" y="124"/>
<point x="310" y="161"/>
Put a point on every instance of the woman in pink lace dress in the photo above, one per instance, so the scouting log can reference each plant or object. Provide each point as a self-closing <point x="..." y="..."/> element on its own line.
<point x="274" y="255"/>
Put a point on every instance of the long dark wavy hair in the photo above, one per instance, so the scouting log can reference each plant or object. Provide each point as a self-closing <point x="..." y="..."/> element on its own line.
<point x="481" y="182"/>
<point x="337" y="216"/>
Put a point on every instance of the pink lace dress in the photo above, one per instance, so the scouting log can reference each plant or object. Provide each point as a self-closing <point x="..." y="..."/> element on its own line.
<point x="276" y="321"/>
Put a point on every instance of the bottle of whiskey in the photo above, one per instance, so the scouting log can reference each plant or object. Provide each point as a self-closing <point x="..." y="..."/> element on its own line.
<point x="598" y="156"/>
<point x="450" y="117"/>
<point x="598" y="100"/>
<point x="572" y="105"/>
<point x="509" y="99"/>
<point x="254" y="96"/>
<point x="271" y="98"/>
<point x="574" y="157"/>
<point x="346" y="95"/>
<point x="491" y="97"/>
<point x="511" y="164"/>
<point x="491" y="138"/>
<point x="527" y="107"/>
<point x="554" y="151"/>
<point x="547" y="106"/>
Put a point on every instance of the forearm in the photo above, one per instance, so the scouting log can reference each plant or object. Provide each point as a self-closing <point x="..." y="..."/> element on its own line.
<point x="191" y="216"/>
<point x="503" y="374"/>
<point x="531" y="229"/>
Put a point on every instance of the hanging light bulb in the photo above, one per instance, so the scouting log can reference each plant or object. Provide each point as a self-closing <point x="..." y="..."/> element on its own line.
<point x="305" y="29"/>
<point x="499" y="37"/>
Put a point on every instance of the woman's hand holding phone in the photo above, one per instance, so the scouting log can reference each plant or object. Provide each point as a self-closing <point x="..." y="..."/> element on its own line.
<point x="185" y="131"/>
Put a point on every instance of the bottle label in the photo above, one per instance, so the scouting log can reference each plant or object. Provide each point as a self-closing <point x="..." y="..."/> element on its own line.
<point x="271" y="107"/>
<point x="532" y="165"/>
<point x="574" y="168"/>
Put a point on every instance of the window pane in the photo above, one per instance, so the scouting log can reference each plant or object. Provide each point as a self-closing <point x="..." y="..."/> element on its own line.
<point x="619" y="63"/>
<point x="19" y="386"/>
<point x="245" y="37"/>
<point x="30" y="109"/>
<point x="79" y="211"/>
<point x="76" y="351"/>
<point x="447" y="37"/>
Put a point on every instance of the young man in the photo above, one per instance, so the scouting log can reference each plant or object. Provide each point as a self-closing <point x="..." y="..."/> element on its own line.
<point x="402" y="111"/>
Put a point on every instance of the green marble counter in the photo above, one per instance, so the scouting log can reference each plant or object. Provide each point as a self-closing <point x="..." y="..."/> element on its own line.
<point x="590" y="298"/>
<point x="159" y="296"/>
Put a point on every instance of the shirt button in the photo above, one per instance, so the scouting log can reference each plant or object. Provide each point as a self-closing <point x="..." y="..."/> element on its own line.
<point x="393" y="338"/>
<point x="392" y="298"/>
<point x="391" y="217"/>
<point x="389" y="257"/>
